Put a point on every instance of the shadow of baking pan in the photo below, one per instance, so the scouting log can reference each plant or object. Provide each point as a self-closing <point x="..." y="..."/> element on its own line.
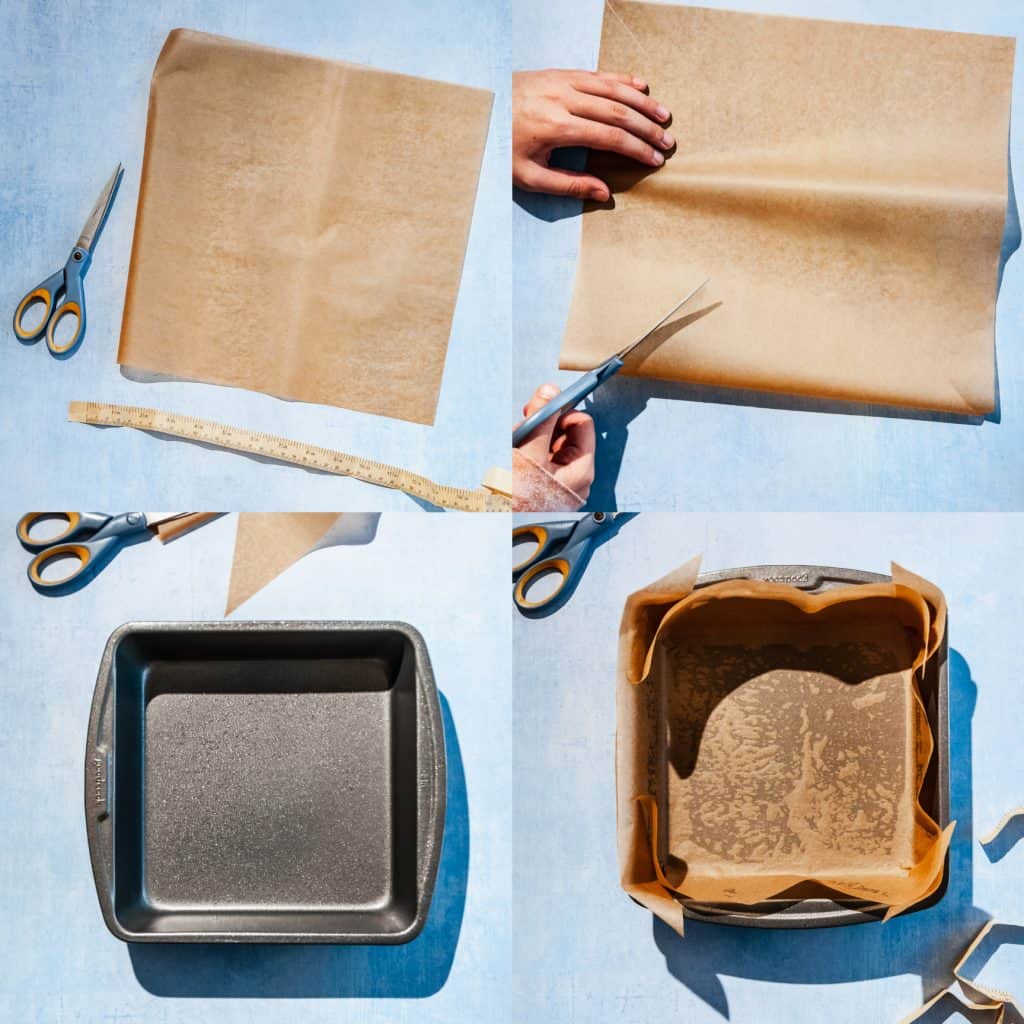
<point x="412" y="971"/>
<point x="923" y="943"/>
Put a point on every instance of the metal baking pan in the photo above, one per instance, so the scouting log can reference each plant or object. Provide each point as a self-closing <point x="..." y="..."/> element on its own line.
<point x="934" y="797"/>
<point x="265" y="782"/>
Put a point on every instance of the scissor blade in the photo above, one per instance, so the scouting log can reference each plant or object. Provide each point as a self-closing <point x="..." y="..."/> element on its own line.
<point x="99" y="211"/>
<point x="679" y="305"/>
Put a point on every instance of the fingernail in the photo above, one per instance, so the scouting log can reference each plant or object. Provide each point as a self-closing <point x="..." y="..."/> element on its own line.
<point x="547" y="391"/>
<point x="639" y="83"/>
<point x="662" y="112"/>
<point x="600" y="195"/>
<point x="667" y="140"/>
<point x="657" y="159"/>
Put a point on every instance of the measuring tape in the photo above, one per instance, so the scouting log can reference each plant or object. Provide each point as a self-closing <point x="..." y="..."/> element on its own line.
<point x="281" y="449"/>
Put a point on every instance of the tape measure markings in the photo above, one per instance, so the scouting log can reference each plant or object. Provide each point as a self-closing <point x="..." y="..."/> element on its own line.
<point x="282" y="449"/>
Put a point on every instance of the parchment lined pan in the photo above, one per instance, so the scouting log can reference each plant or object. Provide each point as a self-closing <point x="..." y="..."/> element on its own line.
<point x="775" y="747"/>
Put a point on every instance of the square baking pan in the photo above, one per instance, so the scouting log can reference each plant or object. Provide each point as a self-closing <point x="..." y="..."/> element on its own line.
<point x="812" y="911"/>
<point x="265" y="782"/>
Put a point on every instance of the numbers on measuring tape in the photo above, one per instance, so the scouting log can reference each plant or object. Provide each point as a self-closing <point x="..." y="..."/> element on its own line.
<point x="282" y="449"/>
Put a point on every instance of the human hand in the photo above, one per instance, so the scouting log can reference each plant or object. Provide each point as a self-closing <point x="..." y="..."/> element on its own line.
<point x="602" y="110"/>
<point x="563" y="445"/>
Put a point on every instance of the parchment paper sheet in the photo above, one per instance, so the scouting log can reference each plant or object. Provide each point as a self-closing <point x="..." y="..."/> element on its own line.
<point x="172" y="529"/>
<point x="844" y="187"/>
<point x="267" y="543"/>
<point x="784" y="734"/>
<point x="977" y="1001"/>
<point x="1012" y="816"/>
<point x="301" y="225"/>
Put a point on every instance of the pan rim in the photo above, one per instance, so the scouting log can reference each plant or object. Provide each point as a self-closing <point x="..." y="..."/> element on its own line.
<point x="431" y="764"/>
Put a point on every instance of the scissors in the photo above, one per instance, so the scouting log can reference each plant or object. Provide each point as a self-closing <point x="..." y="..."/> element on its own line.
<point x="591" y="380"/>
<point x="66" y="282"/>
<point x="90" y="538"/>
<point x="563" y="549"/>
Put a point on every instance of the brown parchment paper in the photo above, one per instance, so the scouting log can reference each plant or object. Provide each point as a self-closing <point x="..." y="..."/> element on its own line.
<point x="301" y="225"/>
<point x="1016" y="815"/>
<point x="976" y="1001"/>
<point x="172" y="529"/>
<point x="769" y="738"/>
<point x="267" y="543"/>
<point x="844" y="187"/>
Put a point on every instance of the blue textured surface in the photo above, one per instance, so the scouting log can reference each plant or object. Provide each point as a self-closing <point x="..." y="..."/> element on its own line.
<point x="670" y="446"/>
<point x="61" y="964"/>
<point x="74" y="84"/>
<point x="590" y="954"/>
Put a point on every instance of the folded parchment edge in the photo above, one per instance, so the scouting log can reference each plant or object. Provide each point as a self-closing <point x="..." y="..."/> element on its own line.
<point x="977" y="998"/>
<point x="636" y="755"/>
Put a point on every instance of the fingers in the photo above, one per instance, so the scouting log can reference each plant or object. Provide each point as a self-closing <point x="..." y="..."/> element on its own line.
<point x="574" y="438"/>
<point x="538" y="445"/>
<point x="567" y="443"/>
<point x="599" y="110"/>
<point x="539" y="399"/>
<point x="615" y="140"/>
<point x="620" y="115"/>
<point x="615" y="76"/>
<point x="622" y="92"/>
<point x="535" y="177"/>
<point x="573" y="451"/>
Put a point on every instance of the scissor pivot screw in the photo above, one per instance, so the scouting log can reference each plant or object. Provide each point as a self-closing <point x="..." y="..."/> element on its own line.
<point x="78" y="256"/>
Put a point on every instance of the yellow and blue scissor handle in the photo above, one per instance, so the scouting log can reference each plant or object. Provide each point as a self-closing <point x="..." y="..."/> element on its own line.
<point x="62" y="294"/>
<point x="562" y="549"/>
<point x="89" y="541"/>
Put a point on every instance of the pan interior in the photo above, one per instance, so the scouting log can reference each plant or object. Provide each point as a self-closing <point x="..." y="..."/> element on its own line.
<point x="266" y="782"/>
<point x="788" y="741"/>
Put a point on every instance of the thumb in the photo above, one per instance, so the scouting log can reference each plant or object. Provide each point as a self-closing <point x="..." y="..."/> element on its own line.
<point x="559" y="182"/>
<point x="538" y="444"/>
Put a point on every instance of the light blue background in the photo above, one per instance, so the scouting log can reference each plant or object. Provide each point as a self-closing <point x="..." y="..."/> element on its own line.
<point x="702" y="449"/>
<point x="589" y="954"/>
<point x="59" y="962"/>
<point x="74" y="83"/>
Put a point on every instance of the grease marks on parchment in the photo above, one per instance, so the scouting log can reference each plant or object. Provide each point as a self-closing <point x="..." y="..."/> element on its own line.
<point x="789" y="760"/>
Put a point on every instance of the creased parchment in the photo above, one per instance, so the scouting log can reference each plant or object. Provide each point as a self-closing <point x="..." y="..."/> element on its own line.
<point x="301" y="226"/>
<point x="1011" y="816"/>
<point x="770" y="738"/>
<point x="977" y="1001"/>
<point x="844" y="187"/>
<point x="267" y="543"/>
